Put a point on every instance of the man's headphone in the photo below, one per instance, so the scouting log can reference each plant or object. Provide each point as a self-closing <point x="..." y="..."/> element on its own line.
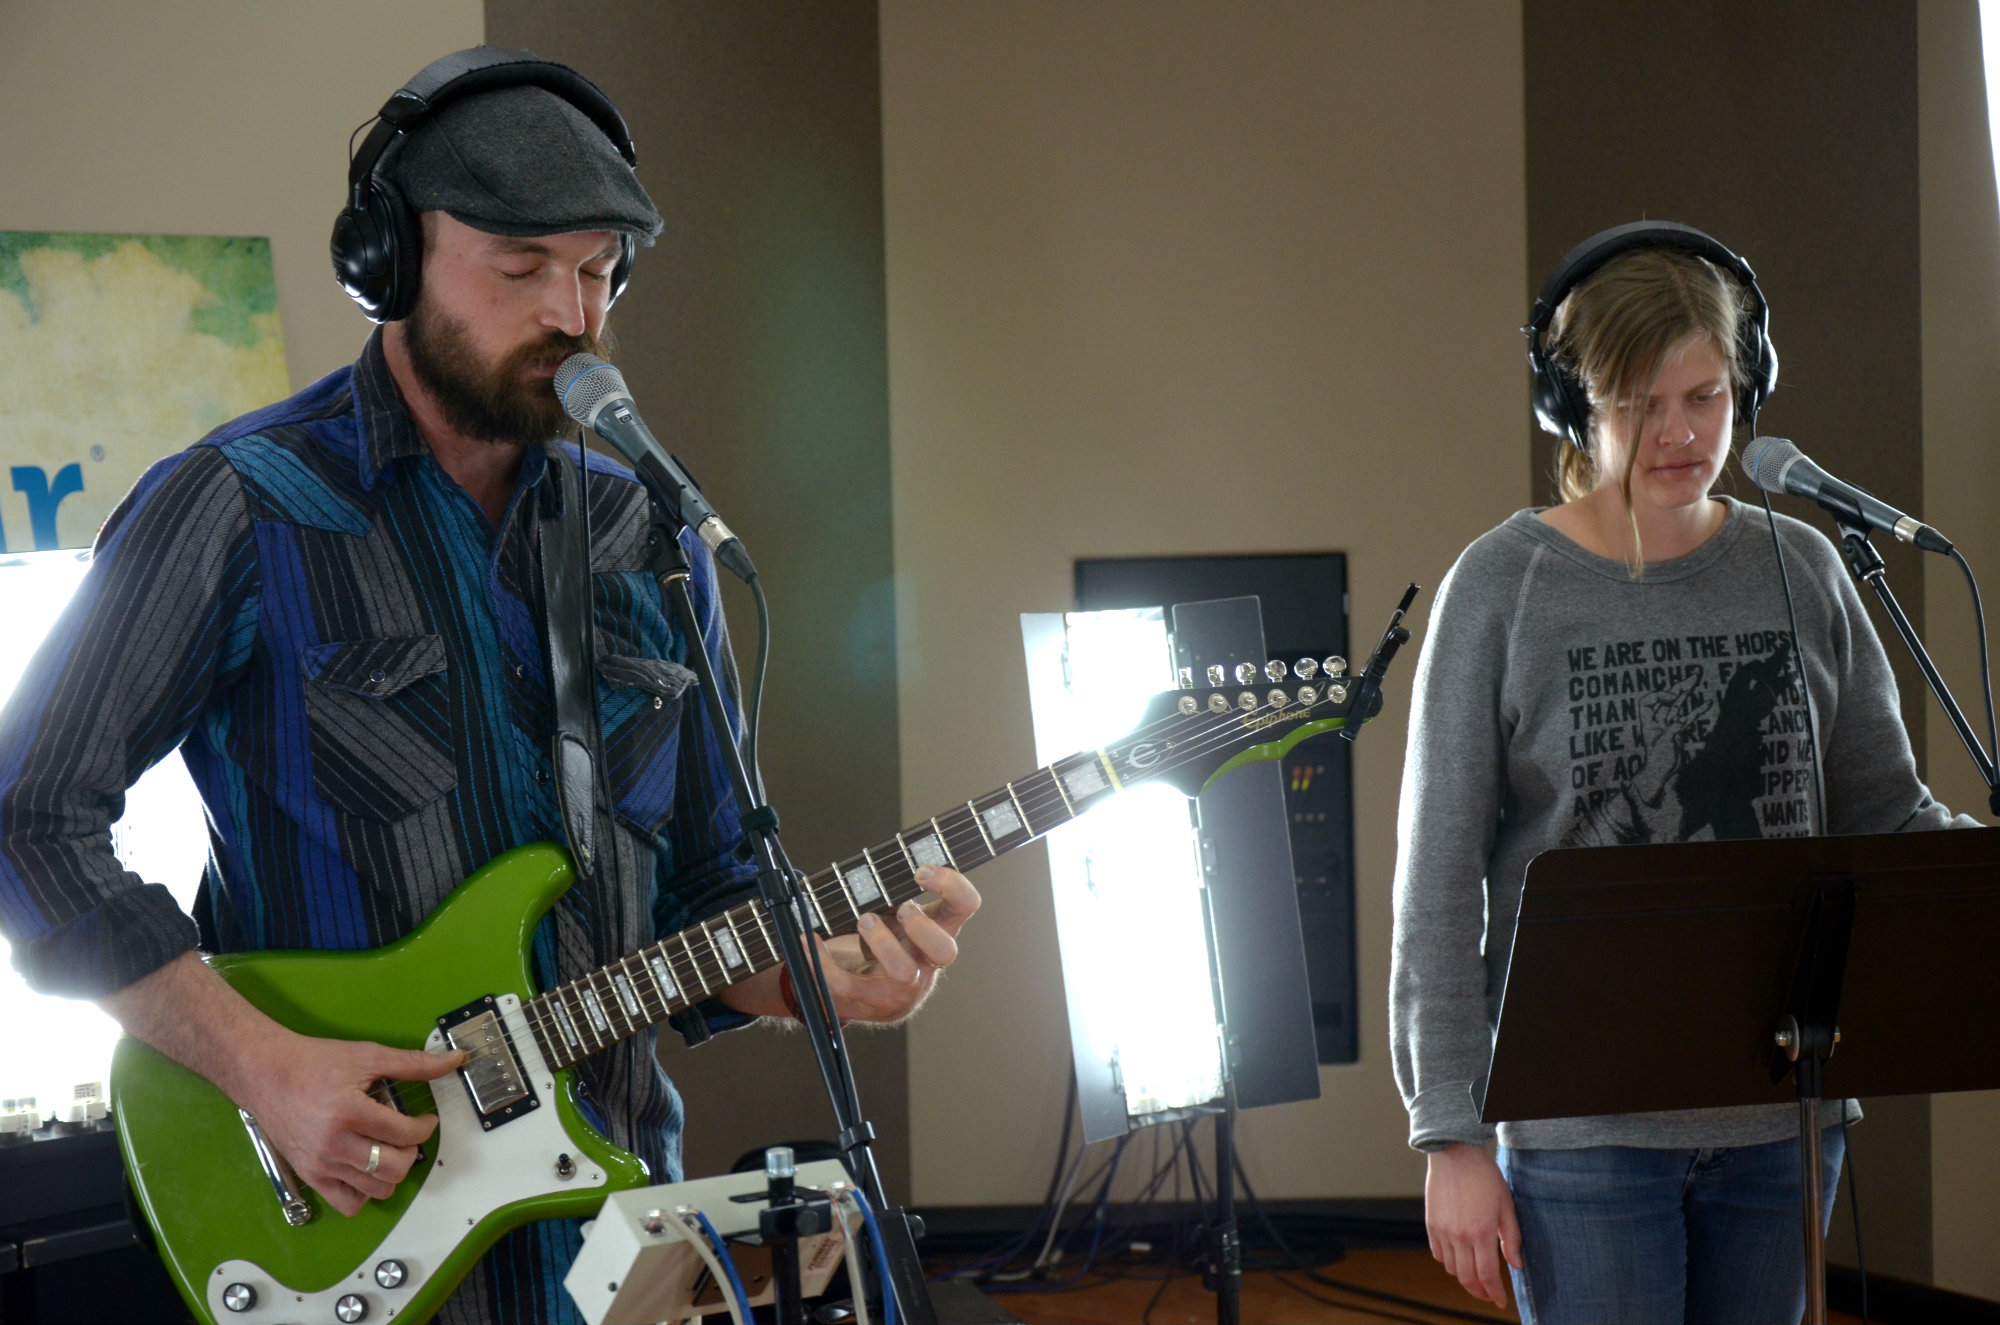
<point x="1562" y="405"/>
<point x="377" y="241"/>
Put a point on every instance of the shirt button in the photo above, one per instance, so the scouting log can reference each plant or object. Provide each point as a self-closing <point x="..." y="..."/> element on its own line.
<point x="659" y="703"/>
<point x="378" y="676"/>
<point x="519" y="671"/>
<point x="542" y="776"/>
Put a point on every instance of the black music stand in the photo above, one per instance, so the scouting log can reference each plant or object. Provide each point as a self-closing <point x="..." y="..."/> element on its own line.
<point x="1700" y="975"/>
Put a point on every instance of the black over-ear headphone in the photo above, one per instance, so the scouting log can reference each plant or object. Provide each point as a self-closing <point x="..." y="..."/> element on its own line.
<point x="377" y="243"/>
<point x="1562" y="405"/>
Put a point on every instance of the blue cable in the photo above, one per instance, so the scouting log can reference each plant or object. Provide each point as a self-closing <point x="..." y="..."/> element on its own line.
<point x="881" y="1260"/>
<point x="728" y="1263"/>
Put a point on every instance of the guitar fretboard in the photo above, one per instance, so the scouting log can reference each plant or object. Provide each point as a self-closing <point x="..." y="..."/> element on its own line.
<point x="576" y="1020"/>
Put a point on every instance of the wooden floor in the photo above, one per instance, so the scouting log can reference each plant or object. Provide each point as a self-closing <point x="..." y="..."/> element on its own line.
<point x="1270" y="1299"/>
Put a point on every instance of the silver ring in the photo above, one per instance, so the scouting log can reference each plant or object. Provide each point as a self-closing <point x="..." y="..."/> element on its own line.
<point x="374" y="1158"/>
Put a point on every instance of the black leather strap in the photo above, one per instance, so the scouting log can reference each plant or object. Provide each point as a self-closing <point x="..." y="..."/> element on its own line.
<point x="566" y="589"/>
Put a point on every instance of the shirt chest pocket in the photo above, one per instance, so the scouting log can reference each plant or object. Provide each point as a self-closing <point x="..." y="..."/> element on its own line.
<point x="378" y="714"/>
<point x="640" y="701"/>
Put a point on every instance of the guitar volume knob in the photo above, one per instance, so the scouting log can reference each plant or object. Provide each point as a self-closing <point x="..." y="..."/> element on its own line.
<point x="351" y="1309"/>
<point x="390" y="1274"/>
<point x="239" y="1297"/>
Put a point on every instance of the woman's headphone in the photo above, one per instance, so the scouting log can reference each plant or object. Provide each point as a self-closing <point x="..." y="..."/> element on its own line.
<point x="377" y="241"/>
<point x="1562" y="405"/>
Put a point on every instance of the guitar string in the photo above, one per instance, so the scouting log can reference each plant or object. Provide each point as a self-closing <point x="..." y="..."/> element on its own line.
<point x="1224" y="729"/>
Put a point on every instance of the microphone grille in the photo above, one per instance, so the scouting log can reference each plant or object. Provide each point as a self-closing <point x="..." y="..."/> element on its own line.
<point x="1764" y="460"/>
<point x="584" y="383"/>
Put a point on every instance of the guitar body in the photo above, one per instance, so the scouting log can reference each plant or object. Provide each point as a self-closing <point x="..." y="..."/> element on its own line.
<point x="195" y="1168"/>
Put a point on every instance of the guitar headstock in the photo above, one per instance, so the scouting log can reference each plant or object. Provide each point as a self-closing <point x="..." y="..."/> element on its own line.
<point x="1219" y="718"/>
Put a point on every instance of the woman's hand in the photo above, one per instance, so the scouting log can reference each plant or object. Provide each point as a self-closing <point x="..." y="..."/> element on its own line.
<point x="1469" y="1214"/>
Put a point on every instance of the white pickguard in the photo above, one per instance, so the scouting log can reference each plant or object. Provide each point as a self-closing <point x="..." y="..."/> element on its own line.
<point x="476" y="1172"/>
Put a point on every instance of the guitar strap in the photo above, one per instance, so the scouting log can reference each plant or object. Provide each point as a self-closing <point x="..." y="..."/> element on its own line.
<point x="566" y="602"/>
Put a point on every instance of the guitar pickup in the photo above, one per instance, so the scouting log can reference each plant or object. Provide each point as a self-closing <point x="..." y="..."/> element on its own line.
<point x="492" y="1073"/>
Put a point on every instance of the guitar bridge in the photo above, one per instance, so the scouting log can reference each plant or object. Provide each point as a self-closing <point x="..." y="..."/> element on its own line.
<point x="492" y="1073"/>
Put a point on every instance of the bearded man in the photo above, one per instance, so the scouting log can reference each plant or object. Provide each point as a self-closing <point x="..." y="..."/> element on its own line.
<point x="332" y="608"/>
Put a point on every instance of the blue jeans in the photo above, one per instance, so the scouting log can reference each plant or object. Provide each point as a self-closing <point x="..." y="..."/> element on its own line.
<point x="1662" y="1237"/>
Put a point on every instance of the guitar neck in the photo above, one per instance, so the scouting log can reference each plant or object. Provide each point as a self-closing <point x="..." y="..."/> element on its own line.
<point x="575" y="1020"/>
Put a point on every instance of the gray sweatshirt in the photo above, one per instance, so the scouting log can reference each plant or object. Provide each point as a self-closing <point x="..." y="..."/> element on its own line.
<point x="1560" y="701"/>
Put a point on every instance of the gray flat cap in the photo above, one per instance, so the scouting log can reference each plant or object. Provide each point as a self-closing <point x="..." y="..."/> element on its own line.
<point x="521" y="161"/>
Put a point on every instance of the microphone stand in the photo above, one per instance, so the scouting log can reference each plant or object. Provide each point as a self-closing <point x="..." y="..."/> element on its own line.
<point x="786" y="911"/>
<point x="1867" y="566"/>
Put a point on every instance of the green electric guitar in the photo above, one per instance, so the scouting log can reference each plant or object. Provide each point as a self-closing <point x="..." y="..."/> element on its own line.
<point x="246" y="1241"/>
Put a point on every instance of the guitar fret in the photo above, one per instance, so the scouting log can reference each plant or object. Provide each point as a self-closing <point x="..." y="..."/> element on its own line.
<point x="1110" y="771"/>
<point x="840" y="877"/>
<point x="643" y="984"/>
<point x="560" y="1045"/>
<point x="764" y="935"/>
<point x="812" y="891"/>
<point x="1026" y="823"/>
<point x="581" y="1021"/>
<point x="943" y="842"/>
<point x="628" y="998"/>
<point x="908" y="859"/>
<point x="973" y="810"/>
<point x="661" y="974"/>
<point x="613" y="1008"/>
<point x="899" y="879"/>
<point x="595" y="1007"/>
<point x="721" y="968"/>
<point x="1056" y="778"/>
<point x="694" y="961"/>
<point x="875" y="878"/>
<point x="728" y="943"/>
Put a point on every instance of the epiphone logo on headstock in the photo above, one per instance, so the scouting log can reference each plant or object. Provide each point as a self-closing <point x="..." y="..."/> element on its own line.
<point x="1251" y="724"/>
<point x="1143" y="755"/>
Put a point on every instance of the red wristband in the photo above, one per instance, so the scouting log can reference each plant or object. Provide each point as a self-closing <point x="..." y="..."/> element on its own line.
<point x="790" y="995"/>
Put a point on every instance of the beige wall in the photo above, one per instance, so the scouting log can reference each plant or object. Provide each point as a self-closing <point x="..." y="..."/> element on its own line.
<point x="210" y="117"/>
<point x="1961" y="384"/>
<point x="1178" y="278"/>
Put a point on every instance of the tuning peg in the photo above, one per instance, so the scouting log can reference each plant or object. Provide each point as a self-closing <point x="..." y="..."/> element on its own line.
<point x="1275" y="670"/>
<point x="1306" y="668"/>
<point x="1217" y="704"/>
<point x="1186" y="678"/>
<point x="1247" y="701"/>
<point x="1188" y="705"/>
<point x="1216" y="676"/>
<point x="1334" y="666"/>
<point x="1309" y="695"/>
<point x="1246" y="674"/>
<point x="1337" y="692"/>
<point x="1278" y="699"/>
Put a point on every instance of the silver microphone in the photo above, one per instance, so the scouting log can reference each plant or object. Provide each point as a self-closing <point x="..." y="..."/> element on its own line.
<point x="595" y="395"/>
<point x="1775" y="465"/>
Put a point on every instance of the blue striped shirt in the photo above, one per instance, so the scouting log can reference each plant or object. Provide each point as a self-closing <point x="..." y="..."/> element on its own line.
<point x="350" y="659"/>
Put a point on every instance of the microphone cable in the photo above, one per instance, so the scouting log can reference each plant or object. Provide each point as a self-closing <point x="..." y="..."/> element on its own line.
<point x="1819" y="830"/>
<point x="1985" y="665"/>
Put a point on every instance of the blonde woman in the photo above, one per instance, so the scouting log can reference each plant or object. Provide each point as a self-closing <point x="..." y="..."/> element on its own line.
<point x="1616" y="669"/>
